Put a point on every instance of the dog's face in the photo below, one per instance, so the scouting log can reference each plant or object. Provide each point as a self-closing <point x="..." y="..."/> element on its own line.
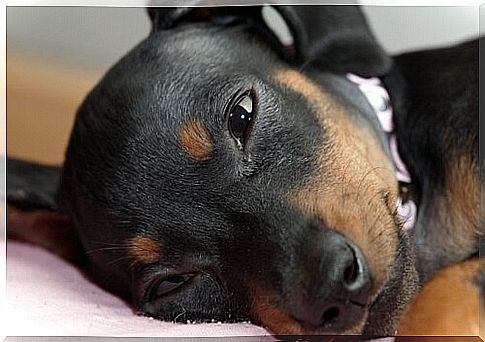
<point x="210" y="179"/>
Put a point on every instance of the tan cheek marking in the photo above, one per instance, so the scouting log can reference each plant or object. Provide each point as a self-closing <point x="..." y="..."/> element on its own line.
<point x="447" y="305"/>
<point x="144" y="250"/>
<point x="272" y="317"/>
<point x="354" y="170"/>
<point x="196" y="140"/>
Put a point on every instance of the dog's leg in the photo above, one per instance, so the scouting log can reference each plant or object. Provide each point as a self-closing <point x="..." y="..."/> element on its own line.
<point x="448" y="305"/>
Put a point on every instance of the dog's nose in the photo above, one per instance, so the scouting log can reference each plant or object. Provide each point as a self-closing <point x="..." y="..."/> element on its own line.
<point x="337" y="297"/>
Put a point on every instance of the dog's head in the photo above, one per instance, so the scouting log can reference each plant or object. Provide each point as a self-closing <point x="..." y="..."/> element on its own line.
<point x="221" y="172"/>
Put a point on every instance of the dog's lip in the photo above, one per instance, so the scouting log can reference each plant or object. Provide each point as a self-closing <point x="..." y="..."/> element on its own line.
<point x="308" y="329"/>
<point x="374" y="307"/>
<point x="363" y="305"/>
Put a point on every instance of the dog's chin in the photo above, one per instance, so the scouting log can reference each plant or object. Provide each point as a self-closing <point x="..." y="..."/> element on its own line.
<point x="280" y="323"/>
<point x="296" y="329"/>
<point x="356" y="329"/>
<point x="366" y="327"/>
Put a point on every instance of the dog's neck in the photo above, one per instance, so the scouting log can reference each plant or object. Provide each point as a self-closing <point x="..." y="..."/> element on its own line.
<point x="379" y="99"/>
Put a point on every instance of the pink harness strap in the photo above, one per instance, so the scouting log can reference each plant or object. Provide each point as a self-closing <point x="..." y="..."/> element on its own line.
<point x="379" y="99"/>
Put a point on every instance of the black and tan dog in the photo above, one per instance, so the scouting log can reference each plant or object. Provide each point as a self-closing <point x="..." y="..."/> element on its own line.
<point x="218" y="173"/>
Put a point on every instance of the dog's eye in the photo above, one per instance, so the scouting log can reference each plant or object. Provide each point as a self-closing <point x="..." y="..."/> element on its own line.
<point x="239" y="120"/>
<point x="169" y="284"/>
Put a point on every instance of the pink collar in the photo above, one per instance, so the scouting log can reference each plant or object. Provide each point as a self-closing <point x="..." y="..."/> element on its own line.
<point x="379" y="99"/>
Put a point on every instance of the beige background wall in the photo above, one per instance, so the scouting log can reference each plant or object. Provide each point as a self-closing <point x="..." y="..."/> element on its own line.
<point x="41" y="102"/>
<point x="55" y="55"/>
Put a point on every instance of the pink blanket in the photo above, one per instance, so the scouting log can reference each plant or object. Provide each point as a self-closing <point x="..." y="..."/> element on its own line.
<point x="48" y="297"/>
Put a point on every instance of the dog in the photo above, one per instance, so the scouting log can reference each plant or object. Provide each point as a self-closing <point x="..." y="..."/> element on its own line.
<point x="219" y="173"/>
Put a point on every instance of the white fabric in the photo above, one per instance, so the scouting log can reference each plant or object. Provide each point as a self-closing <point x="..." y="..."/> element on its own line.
<point x="46" y="296"/>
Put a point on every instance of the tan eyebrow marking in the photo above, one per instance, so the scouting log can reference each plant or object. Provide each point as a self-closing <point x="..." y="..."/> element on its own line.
<point x="196" y="140"/>
<point x="144" y="249"/>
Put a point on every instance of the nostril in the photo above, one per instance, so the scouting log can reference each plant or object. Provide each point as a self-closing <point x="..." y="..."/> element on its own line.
<point x="330" y="316"/>
<point x="352" y="271"/>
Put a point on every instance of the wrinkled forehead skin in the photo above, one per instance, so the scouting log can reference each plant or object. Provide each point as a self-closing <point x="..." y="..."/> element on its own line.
<point x="153" y="180"/>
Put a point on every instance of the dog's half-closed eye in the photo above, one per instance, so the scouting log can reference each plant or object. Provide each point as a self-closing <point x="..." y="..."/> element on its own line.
<point x="169" y="284"/>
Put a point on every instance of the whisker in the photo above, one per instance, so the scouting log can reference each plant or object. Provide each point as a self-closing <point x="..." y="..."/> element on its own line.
<point x="180" y="314"/>
<point x="105" y="243"/>
<point x="103" y="249"/>
<point x="306" y="64"/>
<point x="117" y="260"/>
<point x="367" y="174"/>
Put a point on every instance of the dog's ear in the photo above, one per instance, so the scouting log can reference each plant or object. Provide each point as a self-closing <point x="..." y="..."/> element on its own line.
<point x="331" y="38"/>
<point x="164" y="18"/>
<point x="336" y="38"/>
<point x="33" y="215"/>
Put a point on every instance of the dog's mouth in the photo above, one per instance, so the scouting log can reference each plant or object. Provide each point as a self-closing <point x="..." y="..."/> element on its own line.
<point x="333" y="321"/>
<point x="356" y="319"/>
<point x="279" y="322"/>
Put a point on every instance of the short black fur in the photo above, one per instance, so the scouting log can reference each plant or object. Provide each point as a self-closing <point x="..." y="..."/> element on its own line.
<point x="228" y="219"/>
